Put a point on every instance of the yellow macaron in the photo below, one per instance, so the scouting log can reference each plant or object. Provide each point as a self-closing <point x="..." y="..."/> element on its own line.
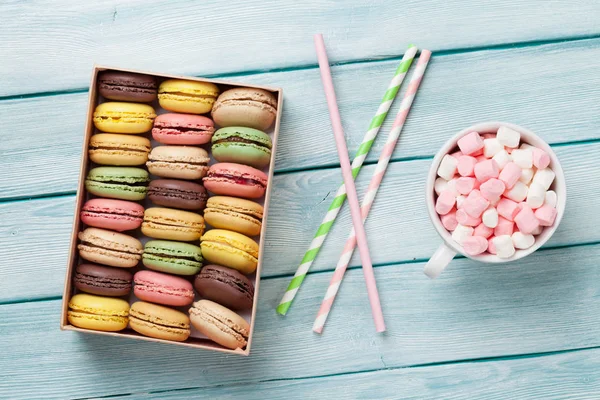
<point x="115" y="149"/>
<point x="230" y="249"/>
<point x="239" y="215"/>
<point x="121" y="117"/>
<point x="187" y="96"/>
<point x="159" y="322"/>
<point x="171" y="224"/>
<point x="98" y="313"/>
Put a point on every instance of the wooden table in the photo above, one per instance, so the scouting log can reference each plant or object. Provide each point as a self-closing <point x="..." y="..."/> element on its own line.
<point x="530" y="329"/>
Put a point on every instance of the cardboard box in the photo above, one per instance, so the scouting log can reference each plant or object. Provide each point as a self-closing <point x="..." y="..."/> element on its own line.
<point x="82" y="196"/>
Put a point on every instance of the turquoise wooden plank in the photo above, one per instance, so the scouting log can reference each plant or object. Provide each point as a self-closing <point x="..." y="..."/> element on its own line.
<point x="536" y="89"/>
<point x="546" y="302"/>
<point x="298" y="204"/>
<point x="38" y="39"/>
<point x="554" y="376"/>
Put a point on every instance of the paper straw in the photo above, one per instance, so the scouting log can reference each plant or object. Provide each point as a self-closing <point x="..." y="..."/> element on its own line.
<point x="340" y="195"/>
<point x="342" y="150"/>
<point x="369" y="196"/>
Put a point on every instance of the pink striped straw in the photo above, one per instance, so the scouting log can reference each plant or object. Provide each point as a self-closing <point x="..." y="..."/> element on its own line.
<point x="342" y="150"/>
<point x="369" y="197"/>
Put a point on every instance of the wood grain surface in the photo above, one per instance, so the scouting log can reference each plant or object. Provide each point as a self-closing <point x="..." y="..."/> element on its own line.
<point x="525" y="330"/>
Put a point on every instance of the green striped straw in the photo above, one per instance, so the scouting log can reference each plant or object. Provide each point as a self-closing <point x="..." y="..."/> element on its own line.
<point x="340" y="196"/>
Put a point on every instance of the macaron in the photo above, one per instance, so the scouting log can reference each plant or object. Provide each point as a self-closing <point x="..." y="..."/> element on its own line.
<point x="159" y="322"/>
<point x="254" y="108"/>
<point x="120" y="117"/>
<point x="127" y="86"/>
<point x="242" y="145"/>
<point x="102" y="281"/>
<point x="187" y="96"/>
<point x="183" y="162"/>
<point x="98" y="313"/>
<point x="109" y="248"/>
<point x="115" y="149"/>
<point x="239" y="215"/>
<point x="172" y="257"/>
<point x="220" y="324"/>
<point x="118" y="215"/>
<point x="171" y="224"/>
<point x="225" y="286"/>
<point x="126" y="183"/>
<point x="169" y="290"/>
<point x="230" y="249"/>
<point x="236" y="180"/>
<point x="176" y="193"/>
<point x="182" y="129"/>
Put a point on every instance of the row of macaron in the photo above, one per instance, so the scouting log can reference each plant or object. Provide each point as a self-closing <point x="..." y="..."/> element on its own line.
<point x="242" y="106"/>
<point x="110" y="314"/>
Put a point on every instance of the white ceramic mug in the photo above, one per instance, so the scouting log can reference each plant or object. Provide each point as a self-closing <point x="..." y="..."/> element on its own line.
<point x="449" y="248"/>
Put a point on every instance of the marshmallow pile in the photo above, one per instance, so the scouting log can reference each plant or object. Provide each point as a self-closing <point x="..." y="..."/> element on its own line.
<point x="493" y="194"/>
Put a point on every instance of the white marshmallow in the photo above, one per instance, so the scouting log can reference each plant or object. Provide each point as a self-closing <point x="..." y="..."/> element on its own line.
<point x="508" y="137"/>
<point x="451" y="187"/>
<point x="459" y="200"/>
<point x="544" y="177"/>
<point x="522" y="241"/>
<point x="526" y="175"/>
<point x="518" y="193"/>
<point x="491" y="147"/>
<point x="504" y="246"/>
<point x="461" y="233"/>
<point x="447" y="167"/>
<point x="536" y="195"/>
<point x="537" y="230"/>
<point x="502" y="158"/>
<point x="522" y="157"/>
<point x="490" y="217"/>
<point x="440" y="185"/>
<point x="551" y="198"/>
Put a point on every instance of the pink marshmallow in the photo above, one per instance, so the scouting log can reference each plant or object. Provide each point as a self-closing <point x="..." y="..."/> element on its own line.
<point x="475" y="204"/>
<point x="546" y="215"/>
<point x="486" y="170"/>
<point x="466" y="165"/>
<point x="492" y="189"/>
<point x="504" y="227"/>
<point x="483" y="231"/>
<point x="470" y="143"/>
<point x="465" y="219"/>
<point x="491" y="247"/>
<point x="474" y="245"/>
<point x="445" y="202"/>
<point x="507" y="209"/>
<point x="449" y="220"/>
<point x="510" y="174"/>
<point x="526" y="220"/>
<point x="477" y="153"/>
<point x="541" y="159"/>
<point x="464" y="185"/>
<point x="479" y="159"/>
<point x="457" y="154"/>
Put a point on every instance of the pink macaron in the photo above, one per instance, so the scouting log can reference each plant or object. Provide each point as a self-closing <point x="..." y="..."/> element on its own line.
<point x="116" y="215"/>
<point x="156" y="287"/>
<point x="236" y="180"/>
<point x="184" y="129"/>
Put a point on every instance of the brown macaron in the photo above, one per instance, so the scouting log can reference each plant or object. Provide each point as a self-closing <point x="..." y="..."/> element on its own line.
<point x="175" y="193"/>
<point x="102" y="281"/>
<point x="127" y="86"/>
<point x="225" y="286"/>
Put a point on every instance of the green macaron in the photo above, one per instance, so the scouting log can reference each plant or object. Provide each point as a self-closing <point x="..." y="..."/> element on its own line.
<point x="242" y="145"/>
<point x="127" y="183"/>
<point x="172" y="257"/>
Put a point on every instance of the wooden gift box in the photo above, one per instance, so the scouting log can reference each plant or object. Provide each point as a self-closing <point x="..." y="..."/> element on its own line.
<point x="82" y="196"/>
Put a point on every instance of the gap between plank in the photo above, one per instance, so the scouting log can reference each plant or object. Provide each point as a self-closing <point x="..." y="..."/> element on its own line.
<point x="438" y="53"/>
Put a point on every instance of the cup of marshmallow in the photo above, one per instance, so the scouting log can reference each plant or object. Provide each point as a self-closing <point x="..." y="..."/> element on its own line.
<point x="495" y="193"/>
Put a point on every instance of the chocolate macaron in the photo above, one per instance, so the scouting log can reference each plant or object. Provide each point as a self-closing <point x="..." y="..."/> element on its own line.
<point x="127" y="86"/>
<point x="103" y="281"/>
<point x="225" y="286"/>
<point x="174" y="193"/>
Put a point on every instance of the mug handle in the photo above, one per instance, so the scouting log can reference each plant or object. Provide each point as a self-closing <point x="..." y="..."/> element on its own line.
<point x="439" y="261"/>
